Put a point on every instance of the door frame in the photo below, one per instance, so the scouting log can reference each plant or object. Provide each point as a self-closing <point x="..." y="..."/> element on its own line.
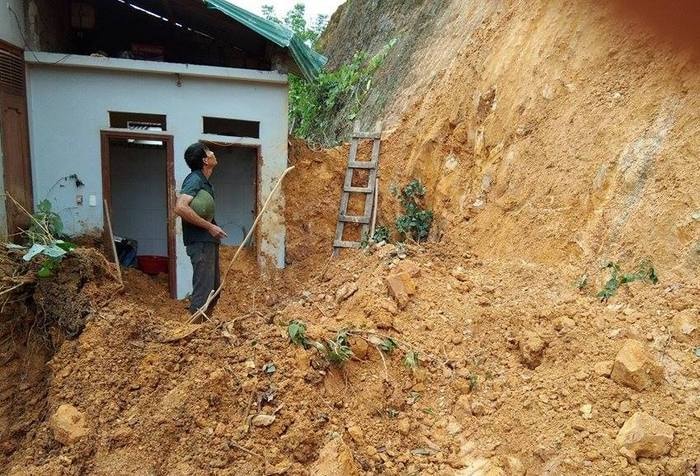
<point x="108" y="134"/>
<point x="256" y="183"/>
<point x="21" y="101"/>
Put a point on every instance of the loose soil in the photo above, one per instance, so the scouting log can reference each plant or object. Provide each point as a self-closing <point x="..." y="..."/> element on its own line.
<point x="553" y="138"/>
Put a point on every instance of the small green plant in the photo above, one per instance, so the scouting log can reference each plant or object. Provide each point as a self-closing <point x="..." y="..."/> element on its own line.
<point x="338" y="350"/>
<point x="582" y="282"/>
<point x="388" y="345"/>
<point x="43" y="235"/>
<point x="415" y="219"/>
<point x="381" y="234"/>
<point x="473" y="382"/>
<point x="644" y="272"/>
<point x="411" y="359"/>
<point x="296" y="330"/>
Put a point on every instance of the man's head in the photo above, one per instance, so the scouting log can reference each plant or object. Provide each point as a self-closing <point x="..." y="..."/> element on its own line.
<point x="199" y="156"/>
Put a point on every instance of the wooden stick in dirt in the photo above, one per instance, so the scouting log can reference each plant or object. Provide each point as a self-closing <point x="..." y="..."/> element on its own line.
<point x="111" y="240"/>
<point x="374" y="208"/>
<point x="214" y="293"/>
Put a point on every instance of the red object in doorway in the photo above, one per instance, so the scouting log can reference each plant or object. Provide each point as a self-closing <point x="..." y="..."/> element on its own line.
<point x="153" y="264"/>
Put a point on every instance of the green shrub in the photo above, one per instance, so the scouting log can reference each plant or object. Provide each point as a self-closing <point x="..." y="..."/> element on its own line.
<point x="415" y="220"/>
<point x="334" y="97"/>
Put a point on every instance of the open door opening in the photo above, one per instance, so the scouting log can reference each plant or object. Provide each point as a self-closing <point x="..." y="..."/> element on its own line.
<point x="235" y="185"/>
<point x="137" y="172"/>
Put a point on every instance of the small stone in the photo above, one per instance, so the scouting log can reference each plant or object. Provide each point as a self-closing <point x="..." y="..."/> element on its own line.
<point x="220" y="429"/>
<point x="463" y="407"/>
<point x="460" y="274"/>
<point x="625" y="406"/>
<point x="586" y="411"/>
<point x="356" y="433"/>
<point x="532" y="349"/>
<point x="581" y="375"/>
<point x="564" y="324"/>
<point x="401" y="287"/>
<point x="515" y="466"/>
<point x="345" y="291"/>
<point x="263" y="420"/>
<point x="643" y="435"/>
<point x="68" y="425"/>
<point x="604" y="368"/>
<point x="685" y="327"/>
<point x="635" y="367"/>
<point x="335" y="458"/>
<point x="404" y="426"/>
<point x="457" y="339"/>
<point x="478" y="408"/>
<point x="453" y="427"/>
<point x="410" y="267"/>
<point x="389" y="306"/>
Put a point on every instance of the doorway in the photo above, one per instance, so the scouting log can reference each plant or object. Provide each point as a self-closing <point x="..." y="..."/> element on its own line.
<point x="15" y="139"/>
<point x="235" y="186"/>
<point x="138" y="184"/>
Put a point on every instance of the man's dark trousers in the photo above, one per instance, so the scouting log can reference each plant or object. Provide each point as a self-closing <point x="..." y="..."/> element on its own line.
<point x="206" y="277"/>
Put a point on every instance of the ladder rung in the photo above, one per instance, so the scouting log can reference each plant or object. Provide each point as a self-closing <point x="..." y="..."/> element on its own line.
<point x="359" y="189"/>
<point x="366" y="135"/>
<point x="354" y="219"/>
<point x="345" y="244"/>
<point x="362" y="165"/>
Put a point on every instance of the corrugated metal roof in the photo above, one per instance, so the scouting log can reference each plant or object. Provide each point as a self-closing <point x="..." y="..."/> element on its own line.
<point x="310" y="63"/>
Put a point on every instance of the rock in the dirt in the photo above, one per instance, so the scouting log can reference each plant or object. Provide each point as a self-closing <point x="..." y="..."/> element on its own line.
<point x="635" y="367"/>
<point x="643" y="435"/>
<point x="410" y="267"/>
<point x="345" y="291"/>
<point x="532" y="349"/>
<point x="335" y="459"/>
<point x="514" y="466"/>
<point x="263" y="420"/>
<point x="460" y="274"/>
<point x="401" y="287"/>
<point x="404" y="426"/>
<point x="68" y="425"/>
<point x="604" y="368"/>
<point x="685" y="327"/>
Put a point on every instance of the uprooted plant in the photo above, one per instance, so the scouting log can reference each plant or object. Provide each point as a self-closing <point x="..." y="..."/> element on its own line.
<point x="644" y="272"/>
<point x="415" y="220"/>
<point x="337" y="351"/>
<point x="43" y="238"/>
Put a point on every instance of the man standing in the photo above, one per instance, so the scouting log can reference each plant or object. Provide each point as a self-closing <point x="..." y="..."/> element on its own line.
<point x="201" y="234"/>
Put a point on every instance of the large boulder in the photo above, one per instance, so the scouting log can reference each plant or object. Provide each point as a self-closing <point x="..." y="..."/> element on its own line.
<point x="635" y="367"/>
<point x="643" y="435"/>
<point x="68" y="425"/>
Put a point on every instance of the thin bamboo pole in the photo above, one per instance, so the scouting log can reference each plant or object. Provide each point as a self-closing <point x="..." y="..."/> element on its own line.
<point x="201" y="311"/>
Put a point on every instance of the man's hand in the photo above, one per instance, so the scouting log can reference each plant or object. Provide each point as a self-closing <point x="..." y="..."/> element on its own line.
<point x="216" y="231"/>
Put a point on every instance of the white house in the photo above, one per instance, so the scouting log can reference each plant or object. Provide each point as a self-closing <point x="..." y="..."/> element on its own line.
<point x="115" y="92"/>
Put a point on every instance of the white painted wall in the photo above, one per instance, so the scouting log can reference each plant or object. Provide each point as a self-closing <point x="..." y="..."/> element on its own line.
<point x="9" y="25"/>
<point x="139" y="197"/>
<point x="69" y="104"/>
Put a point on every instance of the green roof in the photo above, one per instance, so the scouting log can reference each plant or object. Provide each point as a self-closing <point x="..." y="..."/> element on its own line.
<point x="309" y="62"/>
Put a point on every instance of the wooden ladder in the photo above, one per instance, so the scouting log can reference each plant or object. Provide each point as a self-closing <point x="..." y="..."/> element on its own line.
<point x="368" y="217"/>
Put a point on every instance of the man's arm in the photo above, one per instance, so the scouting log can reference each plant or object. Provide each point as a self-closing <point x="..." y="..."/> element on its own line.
<point x="184" y="211"/>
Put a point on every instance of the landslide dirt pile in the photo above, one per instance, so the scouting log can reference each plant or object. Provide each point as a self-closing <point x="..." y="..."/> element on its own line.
<point x="36" y="317"/>
<point x="517" y="371"/>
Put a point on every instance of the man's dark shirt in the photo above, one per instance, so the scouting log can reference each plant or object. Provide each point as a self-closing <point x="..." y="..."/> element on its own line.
<point x="192" y="184"/>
